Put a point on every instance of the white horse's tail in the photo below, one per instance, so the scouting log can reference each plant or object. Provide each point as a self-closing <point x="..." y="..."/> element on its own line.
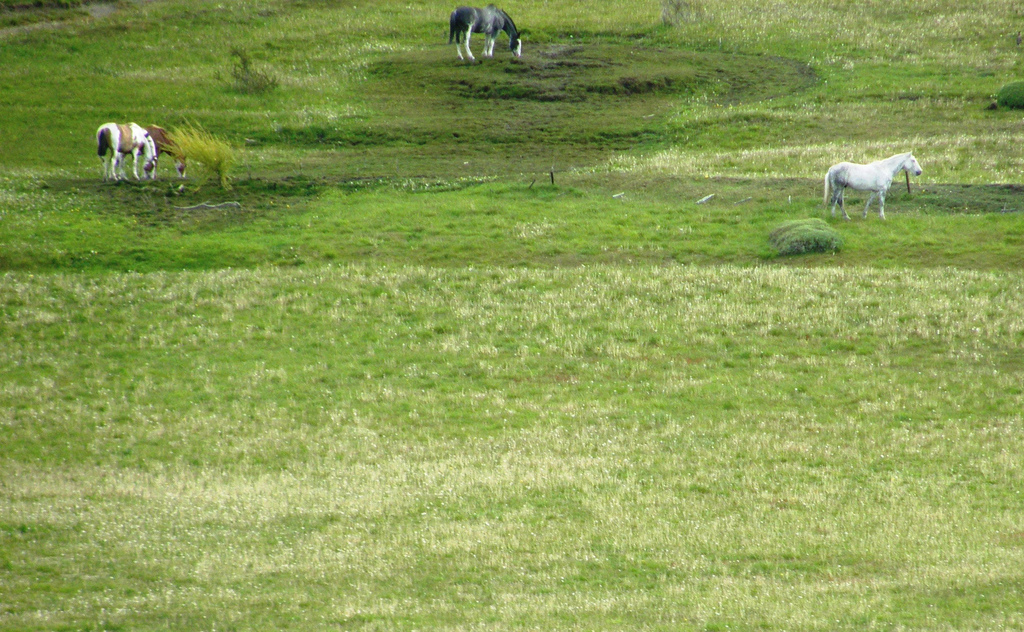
<point x="828" y="181"/>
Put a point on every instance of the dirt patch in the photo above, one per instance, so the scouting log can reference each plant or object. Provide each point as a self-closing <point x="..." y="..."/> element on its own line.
<point x="575" y="73"/>
<point x="556" y="107"/>
<point x="100" y="10"/>
<point x="973" y="198"/>
<point x="44" y="17"/>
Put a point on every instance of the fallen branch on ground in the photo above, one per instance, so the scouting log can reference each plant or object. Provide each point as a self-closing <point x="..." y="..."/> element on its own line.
<point x="208" y="205"/>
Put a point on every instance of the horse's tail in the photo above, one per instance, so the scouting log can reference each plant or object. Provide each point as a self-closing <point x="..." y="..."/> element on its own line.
<point x="103" y="143"/>
<point x="452" y="31"/>
<point x="828" y="181"/>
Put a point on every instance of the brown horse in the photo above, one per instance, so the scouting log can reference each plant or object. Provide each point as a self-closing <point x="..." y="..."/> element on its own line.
<point x="165" y="144"/>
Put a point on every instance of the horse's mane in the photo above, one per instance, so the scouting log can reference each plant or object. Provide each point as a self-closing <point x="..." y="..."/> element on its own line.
<point x="893" y="157"/>
<point x="515" y="31"/>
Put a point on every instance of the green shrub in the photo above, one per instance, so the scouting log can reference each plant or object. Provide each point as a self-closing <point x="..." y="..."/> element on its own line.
<point x="801" y="236"/>
<point x="214" y="156"/>
<point x="1011" y="95"/>
<point x="250" y="80"/>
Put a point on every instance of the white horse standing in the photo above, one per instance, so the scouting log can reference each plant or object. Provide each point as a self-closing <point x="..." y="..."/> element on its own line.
<point x="875" y="177"/>
<point x="115" y="141"/>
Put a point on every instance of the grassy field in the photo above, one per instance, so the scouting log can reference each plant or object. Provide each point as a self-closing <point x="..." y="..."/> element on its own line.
<point x="642" y="447"/>
<point x="468" y="353"/>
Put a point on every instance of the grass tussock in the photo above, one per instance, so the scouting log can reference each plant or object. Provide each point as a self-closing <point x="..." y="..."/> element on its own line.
<point x="1012" y="96"/>
<point x="801" y="236"/>
<point x="215" y="157"/>
<point x="248" y="79"/>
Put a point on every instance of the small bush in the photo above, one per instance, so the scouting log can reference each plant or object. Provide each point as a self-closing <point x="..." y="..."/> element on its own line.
<point x="248" y="79"/>
<point x="214" y="156"/>
<point x="801" y="236"/>
<point x="1011" y="95"/>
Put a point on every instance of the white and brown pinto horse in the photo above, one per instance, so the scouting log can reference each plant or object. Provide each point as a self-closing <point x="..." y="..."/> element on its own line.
<point x="875" y="177"/>
<point x="164" y="145"/>
<point x="115" y="141"/>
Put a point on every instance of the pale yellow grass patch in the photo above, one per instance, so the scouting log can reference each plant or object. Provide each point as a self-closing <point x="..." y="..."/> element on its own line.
<point x="983" y="159"/>
<point x="975" y="34"/>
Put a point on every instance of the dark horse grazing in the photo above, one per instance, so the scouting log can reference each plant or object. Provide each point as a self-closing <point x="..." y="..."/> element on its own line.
<point x="489" y="21"/>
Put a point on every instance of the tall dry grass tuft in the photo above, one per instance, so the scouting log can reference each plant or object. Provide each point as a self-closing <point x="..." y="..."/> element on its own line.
<point x="214" y="156"/>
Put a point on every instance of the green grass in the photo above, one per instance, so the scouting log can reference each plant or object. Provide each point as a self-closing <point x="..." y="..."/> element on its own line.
<point x="409" y="383"/>
<point x="145" y="228"/>
<point x="403" y="447"/>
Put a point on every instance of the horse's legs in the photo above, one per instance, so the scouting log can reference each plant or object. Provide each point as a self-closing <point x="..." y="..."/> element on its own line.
<point x="468" y="52"/>
<point x="121" y="159"/>
<point x="873" y="195"/>
<point x="489" y="45"/>
<point x="881" y="204"/>
<point x="135" y="162"/>
<point x="842" y="204"/>
<point x="110" y="166"/>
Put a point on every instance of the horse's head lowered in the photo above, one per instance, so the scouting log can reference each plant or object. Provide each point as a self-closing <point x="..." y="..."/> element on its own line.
<point x="910" y="165"/>
<point x="149" y="154"/>
<point x="515" y="44"/>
